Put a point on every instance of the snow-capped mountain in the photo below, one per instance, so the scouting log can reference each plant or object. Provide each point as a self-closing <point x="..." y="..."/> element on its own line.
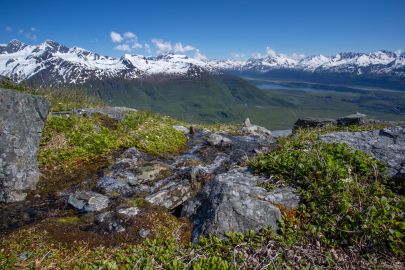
<point x="379" y="62"/>
<point x="51" y="63"/>
<point x="55" y="64"/>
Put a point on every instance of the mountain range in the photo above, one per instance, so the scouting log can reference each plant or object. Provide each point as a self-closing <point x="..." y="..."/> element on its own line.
<point x="53" y="64"/>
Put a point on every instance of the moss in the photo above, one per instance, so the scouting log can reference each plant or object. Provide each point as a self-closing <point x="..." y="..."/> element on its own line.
<point x="69" y="142"/>
<point x="68" y="220"/>
<point x="8" y="84"/>
<point x="231" y="129"/>
<point x="137" y="202"/>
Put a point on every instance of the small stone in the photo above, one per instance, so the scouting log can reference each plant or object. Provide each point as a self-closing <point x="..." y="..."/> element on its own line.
<point x="247" y="123"/>
<point x="129" y="212"/>
<point x="182" y="129"/>
<point x="111" y="186"/>
<point x="23" y="256"/>
<point x="88" y="201"/>
<point x="144" y="233"/>
<point x="171" y="195"/>
<point x="218" y="140"/>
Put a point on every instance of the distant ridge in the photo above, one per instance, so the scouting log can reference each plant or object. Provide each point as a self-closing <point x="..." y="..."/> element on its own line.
<point x="51" y="63"/>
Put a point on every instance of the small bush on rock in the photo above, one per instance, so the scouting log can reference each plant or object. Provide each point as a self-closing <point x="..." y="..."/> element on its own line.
<point x="344" y="199"/>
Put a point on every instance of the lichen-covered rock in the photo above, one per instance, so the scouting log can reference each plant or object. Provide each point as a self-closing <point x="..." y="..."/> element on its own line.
<point x="130" y="174"/>
<point x="253" y="130"/>
<point x="129" y="212"/>
<point x="171" y="195"/>
<point x="88" y="201"/>
<point x="233" y="201"/>
<point x="112" y="186"/>
<point x="386" y="145"/>
<point x="22" y="118"/>
<point x="216" y="139"/>
<point x="182" y="129"/>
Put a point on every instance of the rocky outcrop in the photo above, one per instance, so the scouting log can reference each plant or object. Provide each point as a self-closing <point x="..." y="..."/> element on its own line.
<point x="309" y="122"/>
<point x="386" y="145"/>
<point x="22" y="118"/>
<point x="353" y="119"/>
<point x="253" y="130"/>
<point x="233" y="201"/>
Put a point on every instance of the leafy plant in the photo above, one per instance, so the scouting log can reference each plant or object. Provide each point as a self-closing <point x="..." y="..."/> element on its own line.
<point x="344" y="198"/>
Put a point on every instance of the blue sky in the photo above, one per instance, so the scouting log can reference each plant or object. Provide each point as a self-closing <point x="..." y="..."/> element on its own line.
<point x="216" y="29"/>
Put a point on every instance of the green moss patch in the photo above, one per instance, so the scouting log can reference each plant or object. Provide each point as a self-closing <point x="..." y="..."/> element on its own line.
<point x="75" y="148"/>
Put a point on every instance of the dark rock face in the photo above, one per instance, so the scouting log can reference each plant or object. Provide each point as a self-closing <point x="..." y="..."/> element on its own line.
<point x="22" y="118"/>
<point x="234" y="202"/>
<point x="353" y="119"/>
<point x="387" y="145"/>
<point x="313" y="122"/>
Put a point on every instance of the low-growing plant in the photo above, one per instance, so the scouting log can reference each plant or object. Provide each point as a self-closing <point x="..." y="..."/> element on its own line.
<point x="344" y="199"/>
<point x="68" y="141"/>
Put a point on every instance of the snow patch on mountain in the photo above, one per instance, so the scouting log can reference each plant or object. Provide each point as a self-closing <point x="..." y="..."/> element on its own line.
<point x="54" y="63"/>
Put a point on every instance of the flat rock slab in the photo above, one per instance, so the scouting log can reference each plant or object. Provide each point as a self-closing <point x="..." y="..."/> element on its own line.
<point x="22" y="119"/>
<point x="88" y="201"/>
<point x="386" y="145"/>
<point x="233" y="201"/>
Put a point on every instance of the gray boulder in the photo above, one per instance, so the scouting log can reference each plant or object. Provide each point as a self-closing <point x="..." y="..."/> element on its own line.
<point x="171" y="195"/>
<point x="253" y="130"/>
<point x="353" y="119"/>
<point x="386" y="145"/>
<point x="88" y="201"/>
<point x="309" y="122"/>
<point x="234" y="202"/>
<point x="113" y="187"/>
<point x="182" y="129"/>
<point x="22" y="119"/>
<point x="216" y="139"/>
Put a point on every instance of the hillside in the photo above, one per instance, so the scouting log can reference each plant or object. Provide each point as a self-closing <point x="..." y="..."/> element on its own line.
<point x="209" y="98"/>
<point x="121" y="188"/>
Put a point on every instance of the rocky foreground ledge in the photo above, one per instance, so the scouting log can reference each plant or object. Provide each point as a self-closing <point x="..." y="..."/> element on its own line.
<point x="209" y="187"/>
<point x="22" y="119"/>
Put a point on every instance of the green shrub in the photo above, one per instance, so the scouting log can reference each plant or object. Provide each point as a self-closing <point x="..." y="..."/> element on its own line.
<point x="344" y="198"/>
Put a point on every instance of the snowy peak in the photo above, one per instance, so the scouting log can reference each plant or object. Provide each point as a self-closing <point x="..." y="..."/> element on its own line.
<point x="62" y="65"/>
<point x="51" y="63"/>
<point x="13" y="46"/>
<point x="379" y="62"/>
